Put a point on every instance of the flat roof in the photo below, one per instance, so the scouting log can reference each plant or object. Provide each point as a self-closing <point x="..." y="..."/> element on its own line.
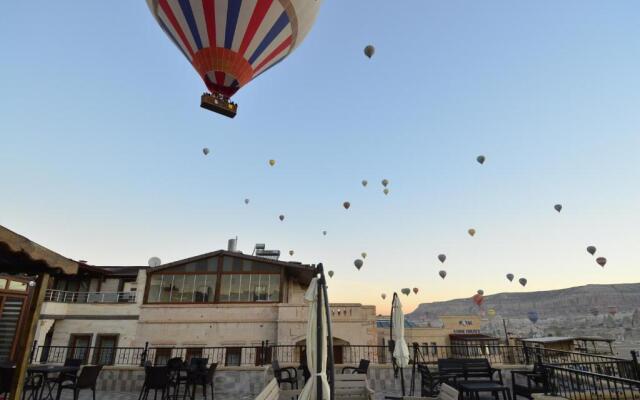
<point x="549" y="339"/>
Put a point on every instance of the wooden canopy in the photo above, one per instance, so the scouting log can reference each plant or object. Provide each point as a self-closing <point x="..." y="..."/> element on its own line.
<point x="19" y="254"/>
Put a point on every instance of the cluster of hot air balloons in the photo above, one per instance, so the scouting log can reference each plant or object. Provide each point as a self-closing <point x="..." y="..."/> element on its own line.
<point x="385" y="183"/>
<point x="602" y="261"/>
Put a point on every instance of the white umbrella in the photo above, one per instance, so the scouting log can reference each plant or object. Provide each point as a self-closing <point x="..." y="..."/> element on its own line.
<point x="309" y="391"/>
<point x="400" y="349"/>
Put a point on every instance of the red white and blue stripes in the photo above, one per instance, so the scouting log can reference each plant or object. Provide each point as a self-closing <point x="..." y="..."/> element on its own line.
<point x="230" y="42"/>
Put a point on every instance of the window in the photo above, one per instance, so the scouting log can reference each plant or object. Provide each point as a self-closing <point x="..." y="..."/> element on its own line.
<point x="246" y="288"/>
<point x="17" y="286"/>
<point x="233" y="356"/>
<point x="3" y="283"/>
<point x="79" y="346"/>
<point x="191" y="288"/>
<point x="163" y="354"/>
<point x="105" y="351"/>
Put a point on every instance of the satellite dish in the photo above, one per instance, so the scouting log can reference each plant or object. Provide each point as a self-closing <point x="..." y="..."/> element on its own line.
<point x="154" y="262"/>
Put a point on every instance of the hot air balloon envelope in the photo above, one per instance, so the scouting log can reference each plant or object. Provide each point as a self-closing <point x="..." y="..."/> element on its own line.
<point x="330" y="274"/>
<point x="383" y="295"/>
<point x="406" y="291"/>
<point x="481" y="292"/>
<point x="471" y="232"/>
<point x="591" y="250"/>
<point x="558" y="207"/>
<point x="231" y="42"/>
<point x="601" y="261"/>
<point x="416" y="290"/>
<point x="442" y="257"/>
<point x="272" y="162"/>
<point x="291" y="252"/>
<point x="281" y="217"/>
<point x="523" y="281"/>
<point x="510" y="277"/>
<point x="442" y="274"/>
<point x="481" y="159"/>
<point x="358" y="263"/>
<point x="205" y="151"/>
<point x="478" y="299"/>
<point x="364" y="182"/>
<point x="369" y="50"/>
<point x="612" y="310"/>
<point x="346" y="205"/>
<point x="533" y="316"/>
<point x="491" y="312"/>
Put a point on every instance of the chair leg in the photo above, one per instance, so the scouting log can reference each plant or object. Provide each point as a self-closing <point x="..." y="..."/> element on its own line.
<point x="93" y="391"/>
<point x="76" y="393"/>
<point x="59" y="392"/>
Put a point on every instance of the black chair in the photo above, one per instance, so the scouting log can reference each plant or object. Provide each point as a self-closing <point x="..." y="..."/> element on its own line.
<point x="534" y="382"/>
<point x="175" y="366"/>
<point x="432" y="381"/>
<point x="87" y="379"/>
<point x="33" y="383"/>
<point x="362" y="368"/>
<point x="6" y="379"/>
<point x="199" y="362"/>
<point x="202" y="376"/>
<point x="278" y="373"/>
<point x="155" y="378"/>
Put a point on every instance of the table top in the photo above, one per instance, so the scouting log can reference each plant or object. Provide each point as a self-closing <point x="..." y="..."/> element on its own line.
<point x="50" y="369"/>
<point x="480" y="385"/>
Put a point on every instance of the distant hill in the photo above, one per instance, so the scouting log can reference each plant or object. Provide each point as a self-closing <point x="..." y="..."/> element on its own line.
<point x="549" y="304"/>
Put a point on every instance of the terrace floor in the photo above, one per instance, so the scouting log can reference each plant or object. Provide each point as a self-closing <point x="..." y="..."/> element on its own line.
<point x="86" y="395"/>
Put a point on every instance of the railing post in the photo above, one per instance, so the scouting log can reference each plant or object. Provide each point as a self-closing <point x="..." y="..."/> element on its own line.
<point x="636" y="369"/>
<point x="143" y="356"/>
<point x="34" y="347"/>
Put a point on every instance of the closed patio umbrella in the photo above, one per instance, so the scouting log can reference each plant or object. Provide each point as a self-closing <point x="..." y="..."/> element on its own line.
<point x="310" y="390"/>
<point x="400" y="349"/>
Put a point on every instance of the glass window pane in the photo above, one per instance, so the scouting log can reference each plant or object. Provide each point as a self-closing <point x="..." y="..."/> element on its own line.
<point x="154" y="288"/>
<point x="211" y="288"/>
<point x="260" y="289"/>
<point x="3" y="283"/>
<point x="247" y="265"/>
<point x="212" y="264"/>
<point x="188" y="289"/>
<point x="274" y="288"/>
<point x="225" y="288"/>
<point x="227" y="264"/>
<point x="235" y="287"/>
<point x="176" y="291"/>
<point x="245" y="289"/>
<point x="19" y="286"/>
<point x="167" y="283"/>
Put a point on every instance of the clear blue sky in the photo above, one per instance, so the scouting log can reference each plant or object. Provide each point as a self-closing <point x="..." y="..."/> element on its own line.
<point x="101" y="137"/>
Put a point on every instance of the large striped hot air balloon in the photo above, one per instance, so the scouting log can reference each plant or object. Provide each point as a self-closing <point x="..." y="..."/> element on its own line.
<point x="230" y="42"/>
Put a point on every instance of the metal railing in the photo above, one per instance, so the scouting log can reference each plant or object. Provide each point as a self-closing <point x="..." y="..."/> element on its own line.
<point x="60" y="296"/>
<point x="583" y="385"/>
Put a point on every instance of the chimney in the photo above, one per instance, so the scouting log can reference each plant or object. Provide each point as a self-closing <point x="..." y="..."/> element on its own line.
<point x="232" y="245"/>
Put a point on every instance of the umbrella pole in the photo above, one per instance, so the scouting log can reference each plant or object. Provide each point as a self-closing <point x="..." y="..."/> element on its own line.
<point x="330" y="361"/>
<point x="319" y="334"/>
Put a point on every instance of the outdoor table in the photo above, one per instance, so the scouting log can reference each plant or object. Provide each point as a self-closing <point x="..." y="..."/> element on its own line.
<point x="473" y="389"/>
<point x="45" y="370"/>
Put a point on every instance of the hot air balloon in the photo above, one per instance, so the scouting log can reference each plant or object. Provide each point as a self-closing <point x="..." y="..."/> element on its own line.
<point x="246" y="201"/>
<point x="481" y="292"/>
<point x="558" y="207"/>
<point x="281" y="217"/>
<point x="443" y="274"/>
<point x="591" y="250"/>
<point x="385" y="182"/>
<point x="491" y="312"/>
<point x="291" y="252"/>
<point x="324" y="233"/>
<point x="472" y="232"/>
<point x="442" y="257"/>
<point x="478" y="299"/>
<point x="523" y="281"/>
<point x="272" y="162"/>
<point x="481" y="159"/>
<point x="364" y="182"/>
<point x="346" y="205"/>
<point x="510" y="277"/>
<point x="601" y="261"/>
<point x="612" y="310"/>
<point x="383" y="295"/>
<point x="330" y="273"/>
<point x="369" y="50"/>
<point x="533" y="316"/>
<point x="406" y="291"/>
<point x="205" y="151"/>
<point x="385" y="191"/>
<point x="358" y="263"/>
<point x="231" y="42"/>
<point x="595" y="311"/>
<point x="416" y="290"/>
<point x="364" y="254"/>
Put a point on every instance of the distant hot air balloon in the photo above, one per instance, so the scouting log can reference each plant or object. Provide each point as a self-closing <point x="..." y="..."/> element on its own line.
<point x="364" y="182"/>
<point x="591" y="250"/>
<point x="481" y="159"/>
<point x="442" y="257"/>
<point x="595" y="311"/>
<point x="406" y="291"/>
<point x="478" y="299"/>
<point x="523" y="281"/>
<point x="346" y="205"/>
<point x="443" y="274"/>
<point x="510" y="277"/>
<point x="601" y="261"/>
<point x="481" y="292"/>
<point x="291" y="252"/>
<point x="358" y="263"/>
<point x="324" y="233"/>
<point x="369" y="50"/>
<point x="491" y="312"/>
<point x="364" y="254"/>
<point x="558" y="207"/>
<point x="272" y="162"/>
<point x="416" y="290"/>
<point x="205" y="151"/>
<point x="246" y="201"/>
<point x="385" y="182"/>
<point x="383" y="295"/>
<point x="472" y="232"/>
<point x="612" y="310"/>
<point x="533" y="316"/>
<point x="281" y="217"/>
<point x="330" y="273"/>
<point x="229" y="42"/>
<point x="385" y="191"/>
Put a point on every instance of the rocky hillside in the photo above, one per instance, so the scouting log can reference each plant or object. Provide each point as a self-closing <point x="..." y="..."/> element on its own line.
<point x="561" y="303"/>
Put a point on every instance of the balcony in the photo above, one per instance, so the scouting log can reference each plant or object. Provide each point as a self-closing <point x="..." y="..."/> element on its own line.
<point x="60" y="296"/>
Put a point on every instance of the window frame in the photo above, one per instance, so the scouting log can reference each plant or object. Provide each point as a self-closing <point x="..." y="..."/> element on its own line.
<point x="219" y="274"/>
<point x="98" y="348"/>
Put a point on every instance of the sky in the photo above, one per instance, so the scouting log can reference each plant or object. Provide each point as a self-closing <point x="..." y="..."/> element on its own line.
<point x="101" y="138"/>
